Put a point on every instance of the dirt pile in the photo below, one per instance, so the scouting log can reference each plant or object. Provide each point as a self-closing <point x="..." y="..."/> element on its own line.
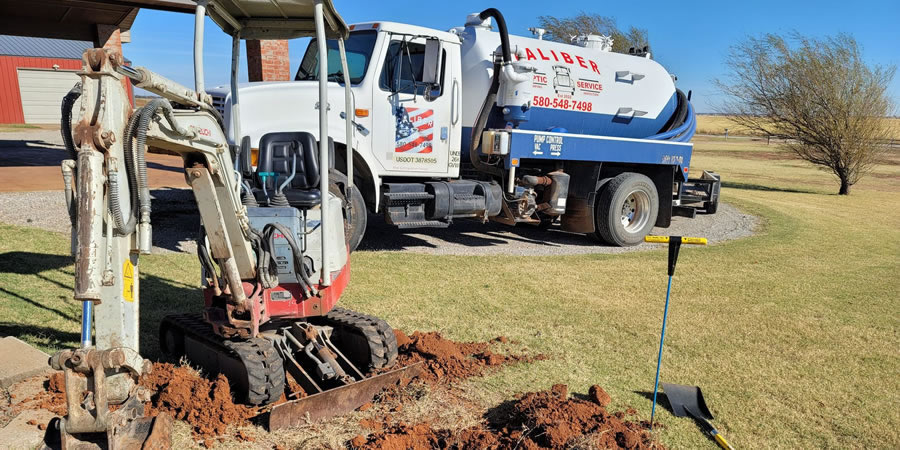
<point x="544" y="419"/>
<point x="448" y="361"/>
<point x="52" y="399"/>
<point x="205" y="404"/>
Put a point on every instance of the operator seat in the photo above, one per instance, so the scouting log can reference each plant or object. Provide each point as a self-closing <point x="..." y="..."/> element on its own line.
<point x="276" y="152"/>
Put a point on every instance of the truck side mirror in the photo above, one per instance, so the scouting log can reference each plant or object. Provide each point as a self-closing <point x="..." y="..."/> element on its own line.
<point x="431" y="70"/>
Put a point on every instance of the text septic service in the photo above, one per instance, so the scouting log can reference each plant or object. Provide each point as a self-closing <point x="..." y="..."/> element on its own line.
<point x="566" y="58"/>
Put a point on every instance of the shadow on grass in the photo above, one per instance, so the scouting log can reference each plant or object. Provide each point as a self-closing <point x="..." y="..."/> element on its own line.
<point x="759" y="187"/>
<point x="158" y="296"/>
<point x="55" y="338"/>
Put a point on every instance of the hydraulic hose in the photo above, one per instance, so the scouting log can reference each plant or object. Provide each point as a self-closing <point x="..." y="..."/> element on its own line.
<point x="115" y="207"/>
<point x="267" y="268"/>
<point x="146" y="115"/>
<point x="69" y="170"/>
<point x="66" y="121"/>
<point x="501" y="27"/>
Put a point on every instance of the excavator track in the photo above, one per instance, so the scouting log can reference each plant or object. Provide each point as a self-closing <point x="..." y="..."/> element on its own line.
<point x="253" y="367"/>
<point x="369" y="342"/>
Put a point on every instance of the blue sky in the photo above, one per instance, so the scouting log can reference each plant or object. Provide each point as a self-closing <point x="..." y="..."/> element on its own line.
<point x="690" y="38"/>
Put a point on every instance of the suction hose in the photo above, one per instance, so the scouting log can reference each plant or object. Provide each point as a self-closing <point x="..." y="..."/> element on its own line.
<point x="501" y="27"/>
<point x="491" y="98"/>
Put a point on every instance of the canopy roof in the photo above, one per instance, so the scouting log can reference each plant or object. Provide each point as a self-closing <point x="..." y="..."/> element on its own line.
<point x="274" y="19"/>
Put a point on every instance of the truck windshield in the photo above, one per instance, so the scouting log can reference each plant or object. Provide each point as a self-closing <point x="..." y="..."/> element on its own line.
<point x="359" y="52"/>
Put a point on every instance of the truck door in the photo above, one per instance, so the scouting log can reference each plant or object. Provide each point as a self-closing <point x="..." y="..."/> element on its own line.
<point x="412" y="118"/>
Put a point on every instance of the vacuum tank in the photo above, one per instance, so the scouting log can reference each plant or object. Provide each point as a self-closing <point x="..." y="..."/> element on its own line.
<point x="572" y="88"/>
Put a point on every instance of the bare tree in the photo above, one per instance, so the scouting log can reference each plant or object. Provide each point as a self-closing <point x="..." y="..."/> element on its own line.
<point x="562" y="29"/>
<point x="817" y="94"/>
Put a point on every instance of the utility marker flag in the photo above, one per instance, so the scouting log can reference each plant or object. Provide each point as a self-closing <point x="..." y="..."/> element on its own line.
<point x="414" y="130"/>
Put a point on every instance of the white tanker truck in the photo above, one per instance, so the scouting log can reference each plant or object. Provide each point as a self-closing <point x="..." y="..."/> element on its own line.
<point x="476" y="124"/>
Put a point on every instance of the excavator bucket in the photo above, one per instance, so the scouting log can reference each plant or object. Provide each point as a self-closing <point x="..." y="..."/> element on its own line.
<point x="338" y="401"/>
<point x="104" y="404"/>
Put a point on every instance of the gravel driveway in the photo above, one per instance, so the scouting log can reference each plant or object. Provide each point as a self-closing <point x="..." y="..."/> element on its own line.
<point x="176" y="222"/>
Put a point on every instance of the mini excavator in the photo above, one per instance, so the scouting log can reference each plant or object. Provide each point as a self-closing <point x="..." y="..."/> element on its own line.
<point x="272" y="246"/>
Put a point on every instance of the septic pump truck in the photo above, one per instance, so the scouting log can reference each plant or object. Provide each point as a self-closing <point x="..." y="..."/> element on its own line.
<point x="475" y="123"/>
<point x="274" y="260"/>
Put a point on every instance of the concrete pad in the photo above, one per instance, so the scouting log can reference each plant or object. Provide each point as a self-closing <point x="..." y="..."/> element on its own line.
<point x="24" y="430"/>
<point x="20" y="361"/>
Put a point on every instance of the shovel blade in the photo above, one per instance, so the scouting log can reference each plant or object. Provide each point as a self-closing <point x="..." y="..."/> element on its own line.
<point x="686" y="401"/>
<point x="339" y="400"/>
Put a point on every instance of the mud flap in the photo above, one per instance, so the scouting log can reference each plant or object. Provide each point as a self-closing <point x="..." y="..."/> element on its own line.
<point x="339" y="400"/>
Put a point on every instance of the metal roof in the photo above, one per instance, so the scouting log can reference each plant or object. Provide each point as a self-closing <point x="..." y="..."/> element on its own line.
<point x="281" y="19"/>
<point x="42" y="47"/>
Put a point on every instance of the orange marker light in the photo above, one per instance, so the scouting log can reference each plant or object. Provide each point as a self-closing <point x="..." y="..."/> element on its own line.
<point x="360" y="112"/>
<point x="515" y="162"/>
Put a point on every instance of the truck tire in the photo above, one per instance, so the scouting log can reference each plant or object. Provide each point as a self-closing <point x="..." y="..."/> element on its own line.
<point x="711" y="207"/>
<point x="626" y="209"/>
<point x="356" y="217"/>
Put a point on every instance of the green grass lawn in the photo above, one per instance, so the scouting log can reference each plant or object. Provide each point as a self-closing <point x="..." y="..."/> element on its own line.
<point x="792" y="333"/>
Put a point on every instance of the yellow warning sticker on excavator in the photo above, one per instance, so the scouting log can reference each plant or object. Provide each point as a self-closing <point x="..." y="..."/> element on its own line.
<point x="128" y="281"/>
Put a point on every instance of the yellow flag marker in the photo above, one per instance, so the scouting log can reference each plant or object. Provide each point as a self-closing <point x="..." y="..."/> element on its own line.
<point x="684" y="240"/>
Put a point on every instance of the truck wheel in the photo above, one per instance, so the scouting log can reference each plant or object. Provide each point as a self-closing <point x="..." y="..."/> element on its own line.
<point x="626" y="210"/>
<point x="711" y="207"/>
<point x="355" y="217"/>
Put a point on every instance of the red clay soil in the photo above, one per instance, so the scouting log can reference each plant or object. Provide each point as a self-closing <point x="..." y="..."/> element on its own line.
<point x="53" y="398"/>
<point x="204" y="404"/>
<point x="545" y="419"/>
<point x="448" y="361"/>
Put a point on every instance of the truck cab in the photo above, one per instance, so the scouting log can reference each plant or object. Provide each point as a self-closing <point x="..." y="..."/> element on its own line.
<point x="405" y="127"/>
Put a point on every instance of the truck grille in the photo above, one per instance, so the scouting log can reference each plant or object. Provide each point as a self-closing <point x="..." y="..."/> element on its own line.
<point x="219" y="103"/>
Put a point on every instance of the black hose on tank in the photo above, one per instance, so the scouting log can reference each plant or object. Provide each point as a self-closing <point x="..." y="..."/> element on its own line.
<point x="679" y="115"/>
<point x="480" y="123"/>
<point x="501" y="27"/>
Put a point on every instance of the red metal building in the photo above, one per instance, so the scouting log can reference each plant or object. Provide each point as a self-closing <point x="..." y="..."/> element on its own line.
<point x="35" y="74"/>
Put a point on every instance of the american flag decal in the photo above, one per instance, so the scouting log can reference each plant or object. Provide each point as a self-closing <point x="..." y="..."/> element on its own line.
<point x="414" y="130"/>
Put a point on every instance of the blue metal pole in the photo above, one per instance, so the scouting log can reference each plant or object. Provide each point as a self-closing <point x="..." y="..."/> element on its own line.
<point x="662" y="336"/>
<point x="87" y="308"/>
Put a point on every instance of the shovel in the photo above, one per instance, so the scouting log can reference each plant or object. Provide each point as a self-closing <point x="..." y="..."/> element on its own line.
<point x="688" y="401"/>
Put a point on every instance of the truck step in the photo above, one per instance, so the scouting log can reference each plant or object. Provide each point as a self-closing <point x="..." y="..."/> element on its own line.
<point x="407" y="196"/>
<point x="422" y="224"/>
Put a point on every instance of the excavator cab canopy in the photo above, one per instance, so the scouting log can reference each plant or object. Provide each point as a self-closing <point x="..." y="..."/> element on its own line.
<point x="279" y="19"/>
<point x="275" y="19"/>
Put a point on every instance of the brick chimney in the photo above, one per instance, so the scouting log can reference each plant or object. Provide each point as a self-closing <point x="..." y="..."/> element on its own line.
<point x="268" y="61"/>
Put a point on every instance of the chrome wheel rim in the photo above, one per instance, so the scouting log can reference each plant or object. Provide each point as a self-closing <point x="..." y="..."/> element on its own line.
<point x="635" y="211"/>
